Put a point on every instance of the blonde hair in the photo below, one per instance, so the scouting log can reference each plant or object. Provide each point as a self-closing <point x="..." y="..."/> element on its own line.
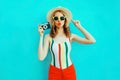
<point x="54" y="29"/>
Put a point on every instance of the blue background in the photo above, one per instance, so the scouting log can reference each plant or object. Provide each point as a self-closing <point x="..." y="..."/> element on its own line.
<point x="19" y="39"/>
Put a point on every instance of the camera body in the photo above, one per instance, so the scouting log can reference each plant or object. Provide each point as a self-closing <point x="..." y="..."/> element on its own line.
<point x="46" y="26"/>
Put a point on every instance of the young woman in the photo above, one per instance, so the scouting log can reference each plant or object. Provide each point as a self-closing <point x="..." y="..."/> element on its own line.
<point x="59" y="42"/>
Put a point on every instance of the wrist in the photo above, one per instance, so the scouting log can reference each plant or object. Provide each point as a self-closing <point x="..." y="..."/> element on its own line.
<point x="41" y="35"/>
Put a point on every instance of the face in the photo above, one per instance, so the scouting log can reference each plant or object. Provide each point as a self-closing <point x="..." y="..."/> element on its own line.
<point x="59" y="19"/>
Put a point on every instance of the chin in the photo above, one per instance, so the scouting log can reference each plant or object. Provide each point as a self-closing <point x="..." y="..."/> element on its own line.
<point x="59" y="26"/>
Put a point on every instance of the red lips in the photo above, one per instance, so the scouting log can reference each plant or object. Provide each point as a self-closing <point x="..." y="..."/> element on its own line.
<point x="59" y="23"/>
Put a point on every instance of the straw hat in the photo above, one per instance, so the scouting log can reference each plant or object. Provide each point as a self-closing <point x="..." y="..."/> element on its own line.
<point x="66" y="12"/>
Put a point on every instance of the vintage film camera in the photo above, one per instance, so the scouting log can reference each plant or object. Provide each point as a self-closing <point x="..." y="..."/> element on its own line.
<point x="45" y="25"/>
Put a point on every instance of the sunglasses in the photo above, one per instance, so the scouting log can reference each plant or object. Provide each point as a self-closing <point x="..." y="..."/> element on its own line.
<point x="59" y="17"/>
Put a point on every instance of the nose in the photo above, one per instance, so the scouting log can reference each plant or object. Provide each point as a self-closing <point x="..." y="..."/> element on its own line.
<point x="58" y="20"/>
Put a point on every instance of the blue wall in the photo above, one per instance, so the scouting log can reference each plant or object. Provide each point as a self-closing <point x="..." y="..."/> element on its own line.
<point x="19" y="39"/>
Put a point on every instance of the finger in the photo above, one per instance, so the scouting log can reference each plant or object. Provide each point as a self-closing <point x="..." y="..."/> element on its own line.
<point x="41" y="31"/>
<point x="40" y="28"/>
<point x="72" y="20"/>
<point x="77" y="21"/>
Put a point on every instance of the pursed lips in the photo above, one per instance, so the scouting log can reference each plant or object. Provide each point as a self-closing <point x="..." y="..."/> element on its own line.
<point x="59" y="23"/>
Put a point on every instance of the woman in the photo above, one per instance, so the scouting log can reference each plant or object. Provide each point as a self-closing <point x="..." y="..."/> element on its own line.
<point x="59" y="41"/>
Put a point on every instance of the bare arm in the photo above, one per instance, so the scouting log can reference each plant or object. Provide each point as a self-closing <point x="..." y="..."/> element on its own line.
<point x="43" y="49"/>
<point x="89" y="39"/>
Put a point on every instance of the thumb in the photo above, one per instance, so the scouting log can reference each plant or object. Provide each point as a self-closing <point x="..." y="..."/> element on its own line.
<point x="72" y="20"/>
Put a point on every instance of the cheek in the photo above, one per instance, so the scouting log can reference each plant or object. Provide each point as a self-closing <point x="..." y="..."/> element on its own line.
<point x="55" y="23"/>
<point x="63" y="22"/>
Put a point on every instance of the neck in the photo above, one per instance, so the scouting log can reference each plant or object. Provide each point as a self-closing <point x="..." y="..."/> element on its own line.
<point x="60" y="31"/>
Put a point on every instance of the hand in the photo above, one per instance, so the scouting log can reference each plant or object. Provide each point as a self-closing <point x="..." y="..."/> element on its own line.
<point x="76" y="23"/>
<point x="40" y="30"/>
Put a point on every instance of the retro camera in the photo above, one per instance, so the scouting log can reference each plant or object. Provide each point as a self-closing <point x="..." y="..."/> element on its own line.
<point x="45" y="25"/>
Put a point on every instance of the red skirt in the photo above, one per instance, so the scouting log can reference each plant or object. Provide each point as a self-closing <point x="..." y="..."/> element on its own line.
<point x="62" y="74"/>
